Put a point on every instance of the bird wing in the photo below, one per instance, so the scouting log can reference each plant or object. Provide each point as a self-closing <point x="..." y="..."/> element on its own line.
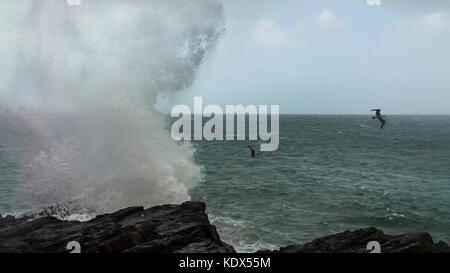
<point x="253" y="151"/>
<point x="377" y="111"/>
<point x="382" y="122"/>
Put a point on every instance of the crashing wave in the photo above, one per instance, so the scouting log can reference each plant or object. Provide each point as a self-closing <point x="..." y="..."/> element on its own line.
<point x="84" y="81"/>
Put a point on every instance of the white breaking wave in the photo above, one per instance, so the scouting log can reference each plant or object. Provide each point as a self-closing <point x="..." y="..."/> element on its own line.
<point x="84" y="81"/>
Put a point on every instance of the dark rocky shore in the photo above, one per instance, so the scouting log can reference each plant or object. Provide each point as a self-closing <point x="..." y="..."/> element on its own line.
<point x="181" y="228"/>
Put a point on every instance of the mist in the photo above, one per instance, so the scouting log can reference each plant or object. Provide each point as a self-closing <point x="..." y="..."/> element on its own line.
<point x="82" y="81"/>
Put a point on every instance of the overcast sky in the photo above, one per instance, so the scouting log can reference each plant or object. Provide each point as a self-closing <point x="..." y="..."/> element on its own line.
<point x="330" y="57"/>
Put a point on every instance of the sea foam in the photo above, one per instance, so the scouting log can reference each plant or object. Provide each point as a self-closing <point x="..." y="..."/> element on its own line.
<point x="84" y="81"/>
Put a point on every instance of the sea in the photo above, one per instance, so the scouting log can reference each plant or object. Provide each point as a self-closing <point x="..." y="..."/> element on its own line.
<point x="318" y="181"/>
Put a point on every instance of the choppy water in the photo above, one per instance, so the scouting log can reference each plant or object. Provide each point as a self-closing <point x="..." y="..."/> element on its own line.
<point x="319" y="182"/>
<point x="316" y="183"/>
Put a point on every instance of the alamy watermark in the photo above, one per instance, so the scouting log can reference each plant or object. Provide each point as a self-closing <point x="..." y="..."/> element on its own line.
<point x="74" y="246"/>
<point x="73" y="2"/>
<point x="182" y="127"/>
<point x="374" y="247"/>
<point x="373" y="2"/>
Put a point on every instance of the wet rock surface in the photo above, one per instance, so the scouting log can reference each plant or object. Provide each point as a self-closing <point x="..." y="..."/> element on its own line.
<point x="181" y="228"/>
<point x="167" y="228"/>
<point x="356" y="242"/>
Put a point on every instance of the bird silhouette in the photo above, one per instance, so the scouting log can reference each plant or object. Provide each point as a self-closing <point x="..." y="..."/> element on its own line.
<point x="379" y="117"/>
<point x="253" y="153"/>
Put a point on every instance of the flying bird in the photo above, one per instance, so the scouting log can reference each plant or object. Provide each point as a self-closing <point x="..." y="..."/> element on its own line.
<point x="253" y="153"/>
<point x="379" y="117"/>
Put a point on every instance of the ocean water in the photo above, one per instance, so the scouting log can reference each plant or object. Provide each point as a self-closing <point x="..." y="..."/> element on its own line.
<point x="317" y="183"/>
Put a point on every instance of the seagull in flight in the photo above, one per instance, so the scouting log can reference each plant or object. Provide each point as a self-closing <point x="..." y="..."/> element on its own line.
<point x="379" y="117"/>
<point x="253" y="153"/>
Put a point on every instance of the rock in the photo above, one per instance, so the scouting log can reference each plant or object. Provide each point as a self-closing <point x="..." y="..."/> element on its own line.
<point x="181" y="228"/>
<point x="163" y="229"/>
<point x="8" y="220"/>
<point x="356" y="242"/>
